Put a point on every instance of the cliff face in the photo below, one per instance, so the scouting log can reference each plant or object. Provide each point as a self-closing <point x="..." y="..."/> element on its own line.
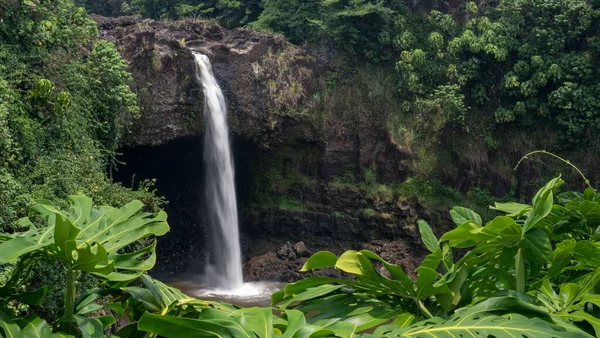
<point x="247" y="64"/>
<point x="277" y="134"/>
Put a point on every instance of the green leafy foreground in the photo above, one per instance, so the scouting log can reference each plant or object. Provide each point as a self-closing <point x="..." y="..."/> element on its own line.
<point x="534" y="271"/>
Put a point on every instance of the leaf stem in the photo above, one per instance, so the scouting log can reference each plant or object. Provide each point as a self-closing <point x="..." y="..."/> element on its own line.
<point x="70" y="298"/>
<point x="587" y="182"/>
<point x="424" y="309"/>
<point x="520" y="267"/>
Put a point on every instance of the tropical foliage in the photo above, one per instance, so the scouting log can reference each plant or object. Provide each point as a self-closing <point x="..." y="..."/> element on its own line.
<point x="533" y="271"/>
<point x="537" y="267"/>
<point x="474" y="74"/>
<point x="65" y="105"/>
<point x="436" y="79"/>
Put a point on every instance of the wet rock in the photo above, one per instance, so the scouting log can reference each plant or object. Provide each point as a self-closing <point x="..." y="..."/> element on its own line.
<point x="269" y="267"/>
<point x="398" y="252"/>
<point x="301" y="249"/>
<point x="292" y="256"/>
<point x="285" y="251"/>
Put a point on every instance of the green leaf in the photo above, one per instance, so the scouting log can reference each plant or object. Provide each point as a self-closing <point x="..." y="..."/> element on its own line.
<point x="323" y="259"/>
<point x="542" y="203"/>
<point x="34" y="297"/>
<point x="252" y="322"/>
<point x="465" y="235"/>
<point x="17" y="247"/>
<point x="562" y="257"/>
<point x="8" y="327"/>
<point x="130" y="331"/>
<point x="35" y="327"/>
<point x="355" y="263"/>
<point x="173" y="327"/>
<point x="461" y="215"/>
<point x="537" y="246"/>
<point x="511" y="234"/>
<point x="90" y="327"/>
<point x="29" y="327"/>
<point x="587" y="253"/>
<point x="404" y="320"/>
<point x="427" y="236"/>
<point x="492" y="318"/>
<point x="512" y="209"/>
<point x="580" y="316"/>
<point x="90" y="239"/>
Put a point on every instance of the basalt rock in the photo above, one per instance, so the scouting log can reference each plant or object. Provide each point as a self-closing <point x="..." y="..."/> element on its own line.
<point x="161" y="61"/>
<point x="273" y="266"/>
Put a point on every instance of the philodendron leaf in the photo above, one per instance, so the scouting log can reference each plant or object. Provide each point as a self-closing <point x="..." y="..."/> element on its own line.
<point x="91" y="239"/>
<point x="24" y="243"/>
<point x="29" y="327"/>
<point x="355" y="263"/>
<point x="404" y="320"/>
<point x="35" y="327"/>
<point x="174" y="327"/>
<point x="8" y="327"/>
<point x="251" y="322"/>
<point x="465" y="235"/>
<point x="461" y="215"/>
<point x="511" y="234"/>
<point x="542" y="203"/>
<point x="429" y="239"/>
<point x="323" y="259"/>
<point x="537" y="246"/>
<point x="587" y="253"/>
<point x="504" y="317"/>
<point x="163" y="294"/>
<point x="93" y="327"/>
<point x="34" y="297"/>
<point x="512" y="209"/>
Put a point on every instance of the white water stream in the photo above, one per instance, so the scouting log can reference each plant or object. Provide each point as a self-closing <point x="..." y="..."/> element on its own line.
<point x="224" y="269"/>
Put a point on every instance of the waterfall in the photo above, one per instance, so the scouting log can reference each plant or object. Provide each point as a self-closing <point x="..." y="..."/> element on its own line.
<point x="225" y="267"/>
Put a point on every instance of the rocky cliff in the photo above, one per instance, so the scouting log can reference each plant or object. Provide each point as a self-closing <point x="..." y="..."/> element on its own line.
<point x="282" y="149"/>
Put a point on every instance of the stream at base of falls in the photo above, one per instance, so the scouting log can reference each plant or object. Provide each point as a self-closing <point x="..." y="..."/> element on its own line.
<point x="247" y="295"/>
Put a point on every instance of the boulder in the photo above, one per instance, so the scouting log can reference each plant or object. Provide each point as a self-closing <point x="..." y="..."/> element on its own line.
<point x="301" y="250"/>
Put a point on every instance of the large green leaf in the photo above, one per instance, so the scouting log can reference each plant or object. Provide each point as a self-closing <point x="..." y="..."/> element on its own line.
<point x="537" y="247"/>
<point x="569" y="305"/>
<point x="29" y="327"/>
<point x="504" y="317"/>
<point x="429" y="239"/>
<point x="512" y="209"/>
<point x="465" y="235"/>
<point x="461" y="215"/>
<point x="91" y="239"/>
<point x="542" y="203"/>
<point x="322" y="259"/>
<point x="251" y="322"/>
<point x="377" y="295"/>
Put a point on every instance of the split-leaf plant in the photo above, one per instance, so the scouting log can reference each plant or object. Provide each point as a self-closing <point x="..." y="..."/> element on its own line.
<point x="158" y="309"/>
<point x="533" y="271"/>
<point x="104" y="242"/>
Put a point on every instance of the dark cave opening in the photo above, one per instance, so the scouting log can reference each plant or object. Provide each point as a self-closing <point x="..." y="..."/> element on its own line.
<point x="178" y="168"/>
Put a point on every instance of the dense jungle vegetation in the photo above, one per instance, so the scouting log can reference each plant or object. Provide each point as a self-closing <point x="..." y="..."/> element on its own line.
<point x="445" y="79"/>
<point x="461" y="85"/>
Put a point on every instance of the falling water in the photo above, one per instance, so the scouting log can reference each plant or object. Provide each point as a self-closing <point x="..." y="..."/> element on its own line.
<point x="225" y="268"/>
